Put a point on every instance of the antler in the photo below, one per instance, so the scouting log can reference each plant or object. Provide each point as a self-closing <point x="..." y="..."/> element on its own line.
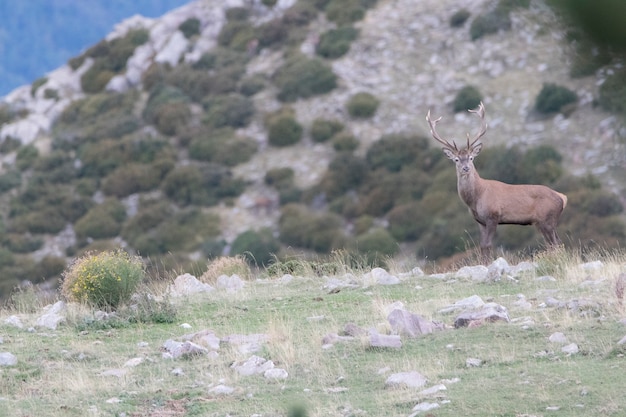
<point x="433" y="131"/>
<point x="480" y="111"/>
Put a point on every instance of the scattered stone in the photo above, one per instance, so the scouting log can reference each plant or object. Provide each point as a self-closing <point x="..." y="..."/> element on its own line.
<point x="622" y="341"/>
<point x="522" y="303"/>
<point x="187" y="284"/>
<point x="186" y="326"/>
<point x="378" y="340"/>
<point x="412" y="379"/>
<point x="7" y="359"/>
<point x="178" y="372"/>
<point x="415" y="272"/>
<point x="52" y="316"/>
<point x="333" y="338"/>
<point x="570" y="349"/>
<point x="522" y="267"/>
<point x="478" y="273"/>
<point x="490" y="312"/>
<point x="336" y="390"/>
<point x="423" y="407"/>
<point x="381" y="277"/>
<point x="553" y="408"/>
<point x="558" y="337"/>
<point x="113" y="400"/>
<point x="409" y="324"/>
<point x="230" y="284"/>
<point x="185" y="349"/>
<point x="432" y="390"/>
<point x="14" y="321"/>
<point x="473" y="362"/>
<point x="247" y="344"/>
<point x="592" y="266"/>
<point x="221" y="390"/>
<point x="206" y="338"/>
<point x="351" y="329"/>
<point x="253" y="365"/>
<point x="498" y="269"/>
<point x="545" y="278"/>
<point x="275" y="373"/>
<point x="118" y="373"/>
<point x="469" y="303"/>
<point x="131" y="363"/>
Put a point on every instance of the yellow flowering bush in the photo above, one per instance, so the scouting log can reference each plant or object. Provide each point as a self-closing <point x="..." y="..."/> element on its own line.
<point x="105" y="279"/>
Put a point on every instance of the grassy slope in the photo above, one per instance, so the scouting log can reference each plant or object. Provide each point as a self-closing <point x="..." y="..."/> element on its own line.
<point x="58" y="373"/>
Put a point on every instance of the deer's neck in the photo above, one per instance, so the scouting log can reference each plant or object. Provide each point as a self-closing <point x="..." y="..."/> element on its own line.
<point x="469" y="187"/>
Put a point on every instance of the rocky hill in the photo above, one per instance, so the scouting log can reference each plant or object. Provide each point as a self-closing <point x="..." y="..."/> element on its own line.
<point x="158" y="85"/>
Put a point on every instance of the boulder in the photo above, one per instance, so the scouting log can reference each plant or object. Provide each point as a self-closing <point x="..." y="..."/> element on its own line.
<point x="187" y="284"/>
<point x="409" y="324"/>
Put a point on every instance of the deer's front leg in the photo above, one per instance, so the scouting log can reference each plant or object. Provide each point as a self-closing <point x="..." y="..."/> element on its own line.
<point x="487" y="233"/>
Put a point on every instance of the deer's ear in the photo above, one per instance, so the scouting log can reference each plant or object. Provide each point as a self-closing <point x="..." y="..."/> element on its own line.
<point x="476" y="149"/>
<point x="449" y="153"/>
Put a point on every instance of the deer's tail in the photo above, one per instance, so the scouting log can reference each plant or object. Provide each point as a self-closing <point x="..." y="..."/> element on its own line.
<point x="564" y="198"/>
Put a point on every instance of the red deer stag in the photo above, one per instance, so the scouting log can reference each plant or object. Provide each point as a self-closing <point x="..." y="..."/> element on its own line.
<point x="494" y="202"/>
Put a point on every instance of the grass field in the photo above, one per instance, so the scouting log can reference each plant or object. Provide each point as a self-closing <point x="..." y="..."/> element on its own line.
<point x="63" y="372"/>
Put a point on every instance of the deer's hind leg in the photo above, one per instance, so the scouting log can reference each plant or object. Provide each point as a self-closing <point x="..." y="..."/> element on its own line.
<point x="549" y="234"/>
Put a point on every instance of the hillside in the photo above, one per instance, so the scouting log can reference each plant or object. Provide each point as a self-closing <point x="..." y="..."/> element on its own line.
<point x="298" y="128"/>
<point x="40" y="35"/>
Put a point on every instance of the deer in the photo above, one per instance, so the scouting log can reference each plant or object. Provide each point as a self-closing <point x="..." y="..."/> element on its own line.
<point x="494" y="202"/>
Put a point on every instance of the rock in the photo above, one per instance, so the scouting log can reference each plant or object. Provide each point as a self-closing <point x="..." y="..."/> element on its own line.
<point x="622" y="341"/>
<point x="275" y="373"/>
<point x="522" y="267"/>
<point x="498" y="268"/>
<point x="489" y="313"/>
<point x="472" y="302"/>
<point x="473" y="362"/>
<point x="14" y="321"/>
<point x="52" y="316"/>
<point x="185" y="349"/>
<point x="230" y="283"/>
<point x="478" y="273"/>
<point x="118" y="373"/>
<point x="221" y="390"/>
<point x="378" y="340"/>
<point x="247" y="344"/>
<point x="412" y="379"/>
<point x="410" y="324"/>
<point x="206" y="338"/>
<point x="7" y="359"/>
<point x="432" y="390"/>
<point x="592" y="266"/>
<point x="351" y="329"/>
<point x="131" y="363"/>
<point x="423" y="407"/>
<point x="187" y="284"/>
<point x="253" y="365"/>
<point x="570" y="349"/>
<point x="381" y="277"/>
<point x="173" y="49"/>
<point x="558" y="337"/>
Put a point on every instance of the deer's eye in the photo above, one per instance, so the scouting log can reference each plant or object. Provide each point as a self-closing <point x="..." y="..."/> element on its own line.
<point x="471" y="158"/>
<point x="456" y="159"/>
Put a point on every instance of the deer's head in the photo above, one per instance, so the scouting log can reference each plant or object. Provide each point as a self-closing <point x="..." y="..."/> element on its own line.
<point x="463" y="158"/>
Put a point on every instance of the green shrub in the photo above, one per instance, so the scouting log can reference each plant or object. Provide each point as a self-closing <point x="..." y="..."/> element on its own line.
<point x="301" y="77"/>
<point x="232" y="110"/>
<point x="344" y="12"/>
<point x="346" y="172"/>
<point x="22" y="243"/>
<point x="269" y="3"/>
<point x="345" y="142"/>
<point x="171" y="118"/>
<point x="190" y="27"/>
<point x="490" y="23"/>
<point x="26" y="156"/>
<point x="9" y="180"/>
<point x="102" y="221"/>
<point x="150" y="214"/>
<point x="257" y="247"/>
<point x="236" y="34"/>
<point x="201" y="184"/>
<point x="407" y="221"/>
<point x="36" y="84"/>
<point x="612" y="93"/>
<point x="468" y="98"/>
<point x="279" y="177"/>
<point x="552" y="98"/>
<point x="252" y="85"/>
<point x="362" y="105"/>
<point x="459" y="18"/>
<point x="393" y="152"/>
<point x="283" y="129"/>
<point x="222" y="146"/>
<point x="324" y="129"/>
<point x="540" y="165"/>
<point x="301" y="228"/>
<point x="130" y="179"/>
<point x="336" y="42"/>
<point x="237" y="13"/>
<point x="377" y="246"/>
<point x="106" y="279"/>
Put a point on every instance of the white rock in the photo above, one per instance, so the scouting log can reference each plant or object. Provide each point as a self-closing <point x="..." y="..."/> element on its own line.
<point x="412" y="379"/>
<point x="592" y="266"/>
<point x="478" y="273"/>
<point x="172" y="51"/>
<point x="432" y="390"/>
<point x="423" y="407"/>
<point x="275" y="373"/>
<point x="14" y="321"/>
<point x="221" y="390"/>
<point x="230" y="283"/>
<point x="473" y="362"/>
<point x="7" y="359"/>
<point x="187" y="284"/>
<point x="558" y="337"/>
<point x="570" y="349"/>
<point x="52" y="316"/>
<point x="253" y="365"/>
<point x="131" y="363"/>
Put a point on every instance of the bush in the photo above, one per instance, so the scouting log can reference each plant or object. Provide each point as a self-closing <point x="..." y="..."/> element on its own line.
<point x="459" y="18"/>
<point x="376" y="245"/>
<point x="257" y="247"/>
<point x="106" y="279"/>
<point x="190" y="27"/>
<point x="489" y="23"/>
<point x="324" y="129"/>
<point x="552" y="98"/>
<point x="227" y="265"/>
<point x="279" y="177"/>
<point x="301" y="228"/>
<point x="131" y="178"/>
<point x="393" y="152"/>
<point x="26" y="156"/>
<point x="301" y="77"/>
<point x="233" y="110"/>
<point x="283" y="129"/>
<point x="362" y="105"/>
<point x="345" y="142"/>
<point x="344" y="12"/>
<point x="252" y="85"/>
<point x="468" y="98"/>
<point x="345" y="172"/>
<point x="171" y="118"/>
<point x="236" y="34"/>
<point x="222" y="146"/>
<point x="9" y="180"/>
<point x="102" y="221"/>
<point x="201" y="184"/>
<point x="336" y="42"/>
<point x="612" y="93"/>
